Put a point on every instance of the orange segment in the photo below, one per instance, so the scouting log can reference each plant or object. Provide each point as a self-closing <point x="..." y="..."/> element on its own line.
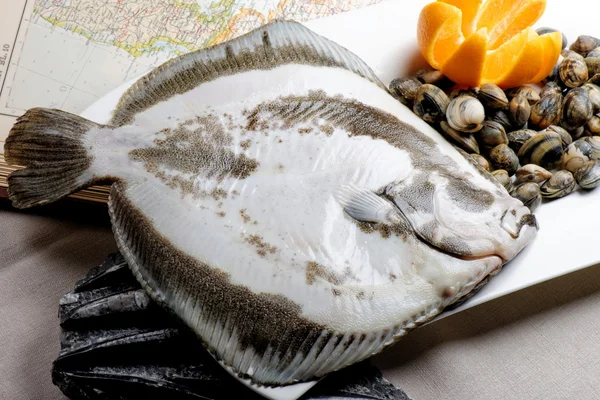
<point x="528" y="64"/>
<point x="466" y="65"/>
<point x="439" y="33"/>
<point x="506" y="18"/>
<point x="469" y="10"/>
<point x="552" y="43"/>
<point x="502" y="60"/>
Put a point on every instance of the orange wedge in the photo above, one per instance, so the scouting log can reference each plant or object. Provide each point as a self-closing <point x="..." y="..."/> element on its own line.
<point x="487" y="41"/>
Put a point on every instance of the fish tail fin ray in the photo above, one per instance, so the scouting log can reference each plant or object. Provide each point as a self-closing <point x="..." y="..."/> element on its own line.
<point x="49" y="144"/>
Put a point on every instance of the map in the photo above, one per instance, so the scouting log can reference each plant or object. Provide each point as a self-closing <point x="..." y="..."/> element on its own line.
<point x="67" y="53"/>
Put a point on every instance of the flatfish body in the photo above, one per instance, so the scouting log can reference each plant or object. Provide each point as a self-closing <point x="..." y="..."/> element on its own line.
<point x="275" y="196"/>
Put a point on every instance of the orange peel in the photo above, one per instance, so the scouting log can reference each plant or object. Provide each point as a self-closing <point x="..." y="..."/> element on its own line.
<point x="475" y="41"/>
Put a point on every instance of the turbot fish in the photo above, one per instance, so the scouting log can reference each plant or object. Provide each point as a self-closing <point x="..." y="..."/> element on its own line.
<point x="275" y="196"/>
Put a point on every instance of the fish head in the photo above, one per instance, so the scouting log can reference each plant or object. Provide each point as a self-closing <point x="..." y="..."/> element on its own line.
<point x="467" y="215"/>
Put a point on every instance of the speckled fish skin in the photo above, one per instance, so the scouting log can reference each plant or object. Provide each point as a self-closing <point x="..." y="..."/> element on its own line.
<point x="275" y="196"/>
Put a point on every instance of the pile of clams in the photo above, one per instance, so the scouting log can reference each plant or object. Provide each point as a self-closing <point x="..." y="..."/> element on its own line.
<point x="540" y="144"/>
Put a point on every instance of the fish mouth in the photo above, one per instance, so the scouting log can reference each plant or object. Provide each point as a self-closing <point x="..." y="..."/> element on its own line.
<point x="514" y="219"/>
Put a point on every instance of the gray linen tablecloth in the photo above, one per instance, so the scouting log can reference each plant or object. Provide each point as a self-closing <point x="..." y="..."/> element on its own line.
<point x="540" y="343"/>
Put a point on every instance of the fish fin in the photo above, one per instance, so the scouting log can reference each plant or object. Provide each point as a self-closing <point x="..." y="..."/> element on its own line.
<point x="49" y="144"/>
<point x="275" y="44"/>
<point x="363" y="204"/>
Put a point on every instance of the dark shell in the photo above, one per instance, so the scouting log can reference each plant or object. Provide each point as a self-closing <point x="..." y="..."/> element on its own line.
<point x="573" y="72"/>
<point x="433" y="77"/>
<point x="593" y="65"/>
<point x="405" y="89"/>
<point x="501" y="117"/>
<point x="543" y="30"/>
<point x="503" y="157"/>
<point x="577" y="109"/>
<point x="529" y="194"/>
<point x="588" y="175"/>
<point x="530" y="93"/>
<point x="491" y="96"/>
<point x="547" y="111"/>
<point x="519" y="110"/>
<point x="559" y="185"/>
<point x="516" y="139"/>
<point x="544" y="149"/>
<point x="492" y="134"/>
<point x="431" y="103"/>
<point x="584" y="44"/>
<point x="550" y="87"/>
<point x="117" y="344"/>
<point x="594" y="94"/>
<point x="465" y="140"/>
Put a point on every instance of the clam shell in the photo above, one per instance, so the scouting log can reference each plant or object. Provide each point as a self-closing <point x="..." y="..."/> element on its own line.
<point x="433" y="77"/>
<point x="559" y="185"/>
<point x="579" y="133"/>
<point x="530" y="93"/>
<point x="481" y="160"/>
<point x="465" y="140"/>
<point x="544" y="149"/>
<point x="529" y="194"/>
<point x="594" y="142"/>
<point x="519" y="110"/>
<point x="593" y="125"/>
<point x="516" y="139"/>
<point x="544" y="30"/>
<point x="594" y="94"/>
<point x="588" y="175"/>
<point x="465" y="114"/>
<point x="503" y="157"/>
<point x="503" y="177"/>
<point x="575" y="155"/>
<point x="550" y="87"/>
<point x="547" y="111"/>
<point x="566" y="53"/>
<point x="492" y="134"/>
<point x="594" y="53"/>
<point x="573" y="72"/>
<point x="593" y="65"/>
<point x="491" y="96"/>
<point x="501" y="117"/>
<point x="431" y="103"/>
<point x="577" y="109"/>
<point x="532" y="173"/>
<point x="564" y="135"/>
<point x="584" y="44"/>
<point x="405" y="89"/>
<point x="595" y="79"/>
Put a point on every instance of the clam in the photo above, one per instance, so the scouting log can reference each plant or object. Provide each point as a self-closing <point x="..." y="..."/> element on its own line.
<point x="588" y="175"/>
<point x="566" y="53"/>
<point x="594" y="94"/>
<point x="405" y="89"/>
<point x="433" y="77"/>
<point x="516" y="139"/>
<point x="573" y="71"/>
<point x="530" y="93"/>
<point x="546" y="112"/>
<point x="575" y="155"/>
<point x="577" y="109"/>
<point x="544" y="30"/>
<point x="481" y="160"/>
<point x="594" y="53"/>
<point x="584" y="44"/>
<point x="550" y="87"/>
<point x="529" y="194"/>
<point x="503" y="177"/>
<point x="593" y="125"/>
<point x="465" y="140"/>
<point x="519" y="110"/>
<point x="564" y="135"/>
<point x="532" y="173"/>
<point x="465" y="114"/>
<point x="431" y="103"/>
<point x="595" y="79"/>
<point x="492" y="134"/>
<point x="579" y="133"/>
<point x="492" y="96"/>
<point x="559" y="185"/>
<point x="593" y="65"/>
<point x="544" y="149"/>
<point x="501" y="117"/>
<point x="594" y="142"/>
<point x="503" y="157"/>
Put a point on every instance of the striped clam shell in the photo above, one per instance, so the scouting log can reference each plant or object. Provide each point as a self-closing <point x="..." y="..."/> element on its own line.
<point x="588" y="175"/>
<point x="544" y="149"/>
<point x="559" y="185"/>
<point x="575" y="155"/>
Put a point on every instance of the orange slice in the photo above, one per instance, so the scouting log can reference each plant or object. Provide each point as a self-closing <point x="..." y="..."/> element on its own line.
<point x="487" y="41"/>
<point x="439" y="33"/>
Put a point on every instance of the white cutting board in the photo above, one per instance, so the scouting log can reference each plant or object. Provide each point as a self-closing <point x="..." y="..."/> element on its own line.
<point x="384" y="35"/>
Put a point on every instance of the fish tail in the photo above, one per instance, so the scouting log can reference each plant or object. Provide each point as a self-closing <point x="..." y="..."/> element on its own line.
<point x="50" y="145"/>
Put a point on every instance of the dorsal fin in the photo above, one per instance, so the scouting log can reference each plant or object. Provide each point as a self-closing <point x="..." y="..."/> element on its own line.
<point x="278" y="43"/>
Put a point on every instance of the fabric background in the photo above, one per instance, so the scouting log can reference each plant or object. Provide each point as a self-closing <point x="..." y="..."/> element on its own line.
<point x="539" y="343"/>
